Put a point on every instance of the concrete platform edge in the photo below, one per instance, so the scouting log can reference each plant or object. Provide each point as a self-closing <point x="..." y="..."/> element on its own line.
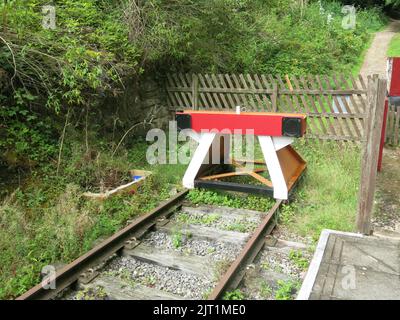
<point x="309" y="280"/>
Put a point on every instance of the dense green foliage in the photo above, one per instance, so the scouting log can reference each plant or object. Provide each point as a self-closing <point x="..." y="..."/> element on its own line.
<point x="84" y="55"/>
<point x="52" y="77"/>
<point x="275" y="36"/>
<point x="81" y="61"/>
<point x="48" y="221"/>
<point x="97" y="45"/>
<point x="394" y="2"/>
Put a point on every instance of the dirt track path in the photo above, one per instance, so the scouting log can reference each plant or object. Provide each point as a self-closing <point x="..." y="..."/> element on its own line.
<point x="387" y="198"/>
<point x="387" y="209"/>
<point x="375" y="59"/>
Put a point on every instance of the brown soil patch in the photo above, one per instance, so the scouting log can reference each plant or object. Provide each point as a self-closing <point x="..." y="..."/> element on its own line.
<point x="387" y="208"/>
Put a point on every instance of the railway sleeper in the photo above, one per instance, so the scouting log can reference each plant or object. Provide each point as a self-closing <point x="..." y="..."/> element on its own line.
<point x="113" y="288"/>
<point x="200" y="232"/>
<point x="171" y="259"/>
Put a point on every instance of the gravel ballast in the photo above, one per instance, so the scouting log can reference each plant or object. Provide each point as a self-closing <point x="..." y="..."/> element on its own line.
<point x="173" y="281"/>
<point x="215" y="250"/>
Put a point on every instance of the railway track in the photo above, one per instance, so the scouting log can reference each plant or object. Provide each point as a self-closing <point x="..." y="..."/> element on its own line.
<point x="177" y="251"/>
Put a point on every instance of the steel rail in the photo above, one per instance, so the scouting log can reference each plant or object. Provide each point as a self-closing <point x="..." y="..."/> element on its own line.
<point x="71" y="272"/>
<point x="236" y="271"/>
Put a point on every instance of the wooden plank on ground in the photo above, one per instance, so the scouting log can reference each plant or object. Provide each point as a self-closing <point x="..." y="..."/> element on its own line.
<point x="118" y="289"/>
<point x="206" y="233"/>
<point x="225" y="212"/>
<point x="171" y="259"/>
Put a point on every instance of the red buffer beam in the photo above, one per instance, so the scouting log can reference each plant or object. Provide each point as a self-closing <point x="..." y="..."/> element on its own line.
<point x="260" y="123"/>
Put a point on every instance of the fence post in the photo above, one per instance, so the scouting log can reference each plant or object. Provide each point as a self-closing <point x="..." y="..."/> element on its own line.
<point x="274" y="96"/>
<point x="376" y="104"/>
<point x="195" y="93"/>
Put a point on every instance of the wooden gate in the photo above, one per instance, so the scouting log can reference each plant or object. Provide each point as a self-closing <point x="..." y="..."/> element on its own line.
<point x="336" y="106"/>
<point x="393" y="126"/>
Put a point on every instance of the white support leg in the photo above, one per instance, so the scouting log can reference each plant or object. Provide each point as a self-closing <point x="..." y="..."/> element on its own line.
<point x="274" y="168"/>
<point x="227" y="149"/>
<point x="205" y="142"/>
<point x="281" y="142"/>
<point x="217" y="147"/>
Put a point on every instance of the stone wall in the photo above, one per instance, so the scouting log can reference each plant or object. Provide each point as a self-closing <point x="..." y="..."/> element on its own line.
<point x="141" y="100"/>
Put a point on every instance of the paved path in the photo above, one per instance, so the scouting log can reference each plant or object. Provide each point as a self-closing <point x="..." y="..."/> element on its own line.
<point x="375" y="59"/>
<point x="354" y="268"/>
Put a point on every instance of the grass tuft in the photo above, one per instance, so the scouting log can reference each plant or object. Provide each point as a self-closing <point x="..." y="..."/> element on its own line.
<point x="394" y="46"/>
<point x="327" y="196"/>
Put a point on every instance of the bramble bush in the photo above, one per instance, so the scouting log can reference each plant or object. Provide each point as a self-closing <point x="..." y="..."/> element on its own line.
<point x="277" y="37"/>
<point x="26" y="136"/>
<point x="47" y="72"/>
<point x="97" y="45"/>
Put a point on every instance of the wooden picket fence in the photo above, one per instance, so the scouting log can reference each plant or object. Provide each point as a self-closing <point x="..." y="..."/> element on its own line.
<point x="393" y="126"/>
<point x="336" y="106"/>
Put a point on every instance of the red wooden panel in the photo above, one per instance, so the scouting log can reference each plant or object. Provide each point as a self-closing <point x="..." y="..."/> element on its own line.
<point x="262" y="123"/>
<point x="395" y="77"/>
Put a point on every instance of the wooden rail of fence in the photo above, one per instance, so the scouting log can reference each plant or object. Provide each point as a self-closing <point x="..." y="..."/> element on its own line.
<point x="336" y="105"/>
<point x="393" y="126"/>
